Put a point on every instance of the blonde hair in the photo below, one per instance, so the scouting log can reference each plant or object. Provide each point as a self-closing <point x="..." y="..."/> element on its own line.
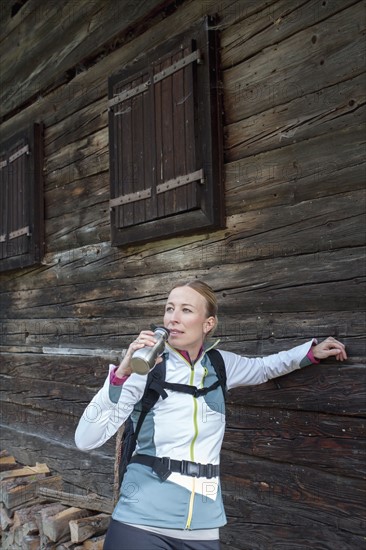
<point x="208" y="294"/>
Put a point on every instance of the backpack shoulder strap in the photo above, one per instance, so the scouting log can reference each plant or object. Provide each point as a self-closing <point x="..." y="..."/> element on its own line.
<point x="153" y="390"/>
<point x="156" y="385"/>
<point x="218" y="364"/>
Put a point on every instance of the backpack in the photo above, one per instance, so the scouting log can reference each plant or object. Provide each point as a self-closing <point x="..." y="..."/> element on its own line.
<point x="155" y="387"/>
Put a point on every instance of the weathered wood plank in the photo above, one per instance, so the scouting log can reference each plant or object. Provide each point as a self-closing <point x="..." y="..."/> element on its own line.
<point x="7" y="463"/>
<point x="272" y="23"/>
<point x="85" y="528"/>
<point x="266" y="346"/>
<point x="95" y="543"/>
<point x="58" y="424"/>
<point x="61" y="368"/>
<point x="56" y="526"/>
<point x="310" y="438"/>
<point x="66" y="37"/>
<point x="25" y="471"/>
<point x="329" y="387"/>
<point x="317" y="113"/>
<point x="270" y="330"/>
<point x="10" y="20"/>
<point x="292" y="174"/>
<point x="91" y="192"/>
<point x="91" y="85"/>
<point x="16" y="492"/>
<point x="93" y="471"/>
<point x="78" y="160"/>
<point x="249" y="236"/>
<point x="258" y="172"/>
<point x="90" y="119"/>
<point x="46" y="395"/>
<point x="334" y="54"/>
<point x="242" y="533"/>
<point x="90" y="501"/>
<point x="296" y="491"/>
<point x="65" y="232"/>
<point x="237" y="284"/>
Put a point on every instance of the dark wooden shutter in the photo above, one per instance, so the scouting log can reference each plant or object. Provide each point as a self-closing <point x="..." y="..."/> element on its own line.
<point x="166" y="140"/>
<point x="3" y="205"/>
<point x="21" y="200"/>
<point x="130" y="136"/>
<point x="179" y="170"/>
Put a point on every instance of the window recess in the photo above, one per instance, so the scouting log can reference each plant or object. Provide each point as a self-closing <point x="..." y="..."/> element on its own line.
<point x="21" y="200"/>
<point x="165" y="135"/>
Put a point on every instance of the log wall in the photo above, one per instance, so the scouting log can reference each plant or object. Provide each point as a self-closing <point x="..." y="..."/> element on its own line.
<point x="287" y="267"/>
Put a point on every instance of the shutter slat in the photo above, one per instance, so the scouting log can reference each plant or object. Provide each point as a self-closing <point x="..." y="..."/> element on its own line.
<point x="4" y="209"/>
<point x="131" y="141"/>
<point x="138" y="208"/>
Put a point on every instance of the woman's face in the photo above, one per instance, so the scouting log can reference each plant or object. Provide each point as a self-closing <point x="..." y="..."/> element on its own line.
<point x="186" y="318"/>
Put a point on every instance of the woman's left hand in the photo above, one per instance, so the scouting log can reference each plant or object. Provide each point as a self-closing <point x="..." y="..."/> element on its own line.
<point x="330" y="347"/>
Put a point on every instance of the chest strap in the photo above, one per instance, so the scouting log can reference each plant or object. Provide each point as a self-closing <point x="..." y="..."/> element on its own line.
<point x="163" y="467"/>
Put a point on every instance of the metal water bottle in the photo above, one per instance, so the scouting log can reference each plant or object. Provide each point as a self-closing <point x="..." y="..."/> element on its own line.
<point x="144" y="359"/>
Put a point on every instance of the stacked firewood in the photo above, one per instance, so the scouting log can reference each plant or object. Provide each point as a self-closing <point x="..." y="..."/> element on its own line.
<point x="37" y="514"/>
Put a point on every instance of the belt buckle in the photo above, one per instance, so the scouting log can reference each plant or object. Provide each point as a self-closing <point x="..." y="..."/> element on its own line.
<point x="166" y="461"/>
<point x="162" y="467"/>
<point x="209" y="471"/>
<point x="190" y="468"/>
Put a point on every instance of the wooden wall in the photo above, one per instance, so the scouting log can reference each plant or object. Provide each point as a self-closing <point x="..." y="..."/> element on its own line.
<point x="287" y="267"/>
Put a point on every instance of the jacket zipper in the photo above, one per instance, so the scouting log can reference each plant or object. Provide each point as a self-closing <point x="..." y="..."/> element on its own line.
<point x="191" y="450"/>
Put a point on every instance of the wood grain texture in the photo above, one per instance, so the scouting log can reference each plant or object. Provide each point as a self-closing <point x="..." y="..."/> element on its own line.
<point x="288" y="265"/>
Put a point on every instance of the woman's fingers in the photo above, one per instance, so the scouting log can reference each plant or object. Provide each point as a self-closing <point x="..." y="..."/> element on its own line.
<point x="330" y="347"/>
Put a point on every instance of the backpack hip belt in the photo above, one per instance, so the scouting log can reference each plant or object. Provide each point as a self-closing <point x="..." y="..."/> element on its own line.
<point x="164" y="466"/>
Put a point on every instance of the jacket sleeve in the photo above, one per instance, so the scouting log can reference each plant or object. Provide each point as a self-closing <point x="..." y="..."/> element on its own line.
<point x="244" y="371"/>
<point x="108" y="410"/>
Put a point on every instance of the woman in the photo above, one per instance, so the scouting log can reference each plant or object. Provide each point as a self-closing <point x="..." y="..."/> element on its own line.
<point x="183" y="511"/>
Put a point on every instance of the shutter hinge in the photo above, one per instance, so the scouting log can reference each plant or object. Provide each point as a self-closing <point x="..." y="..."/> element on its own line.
<point x="194" y="56"/>
<point x="127" y="94"/>
<point x="19" y="232"/>
<point x="19" y="153"/>
<point x="180" y="181"/>
<point x="130" y="197"/>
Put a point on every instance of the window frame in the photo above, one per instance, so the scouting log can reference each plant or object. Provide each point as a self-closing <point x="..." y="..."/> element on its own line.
<point x="22" y="246"/>
<point x="208" y="143"/>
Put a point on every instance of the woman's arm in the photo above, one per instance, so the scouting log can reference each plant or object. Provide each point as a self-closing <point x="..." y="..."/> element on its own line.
<point x="114" y="402"/>
<point x="242" y="371"/>
<point x="107" y="411"/>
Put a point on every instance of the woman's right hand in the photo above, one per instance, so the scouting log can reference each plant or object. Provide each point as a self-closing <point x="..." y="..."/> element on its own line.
<point x="145" y="338"/>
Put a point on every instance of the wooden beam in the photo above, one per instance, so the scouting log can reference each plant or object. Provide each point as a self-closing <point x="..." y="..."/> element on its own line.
<point x="7" y="463"/>
<point x="96" y="543"/>
<point x="26" y="471"/>
<point x="56" y="526"/>
<point x="91" y="501"/>
<point x="16" y="492"/>
<point x="85" y="528"/>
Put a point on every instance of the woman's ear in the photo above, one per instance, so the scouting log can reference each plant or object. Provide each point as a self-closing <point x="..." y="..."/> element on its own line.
<point x="209" y="324"/>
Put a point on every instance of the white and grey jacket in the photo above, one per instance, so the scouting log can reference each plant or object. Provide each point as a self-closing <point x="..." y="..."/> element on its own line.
<point x="181" y="427"/>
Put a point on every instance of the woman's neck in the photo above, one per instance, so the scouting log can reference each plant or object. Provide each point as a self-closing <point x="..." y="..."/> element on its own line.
<point x="191" y="357"/>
